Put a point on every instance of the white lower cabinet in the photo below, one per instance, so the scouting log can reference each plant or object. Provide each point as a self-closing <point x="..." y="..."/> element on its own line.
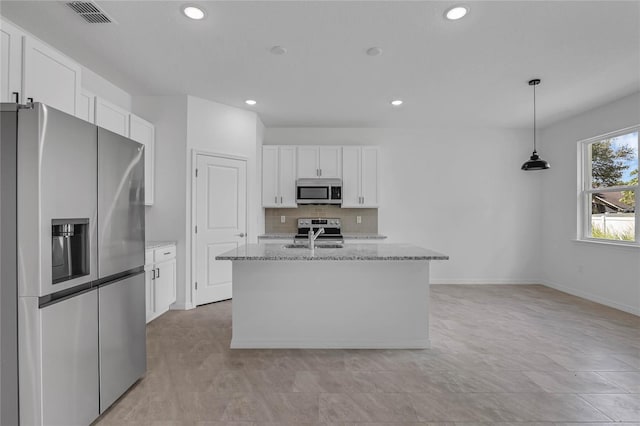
<point x="160" y="280"/>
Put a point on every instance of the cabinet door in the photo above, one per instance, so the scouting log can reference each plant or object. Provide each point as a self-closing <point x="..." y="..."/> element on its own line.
<point x="10" y="62"/>
<point x="351" y="176"/>
<point x="112" y="117"/>
<point x="330" y="161"/>
<point x="149" y="287"/>
<point x="144" y="132"/>
<point x="86" y="106"/>
<point x="369" y="177"/>
<point x="287" y="176"/>
<point x="270" y="196"/>
<point x="165" y="284"/>
<point x="308" y="162"/>
<point x="50" y="77"/>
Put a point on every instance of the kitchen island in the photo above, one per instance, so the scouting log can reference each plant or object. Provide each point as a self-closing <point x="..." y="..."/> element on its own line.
<point x="358" y="296"/>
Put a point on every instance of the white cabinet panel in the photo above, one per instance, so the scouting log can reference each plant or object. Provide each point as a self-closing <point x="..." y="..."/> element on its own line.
<point x="279" y="176"/>
<point x="287" y="176"/>
<point x="165" y="284"/>
<point x="351" y="176"/>
<point x="10" y="62"/>
<point x="308" y="162"/>
<point x="319" y="161"/>
<point x="149" y="281"/>
<point x="50" y="77"/>
<point x="369" y="176"/>
<point x="86" y="106"/>
<point x="330" y="161"/>
<point x="112" y="117"/>
<point x="144" y="132"/>
<point x="160" y="281"/>
<point x="270" y="176"/>
<point x="360" y="177"/>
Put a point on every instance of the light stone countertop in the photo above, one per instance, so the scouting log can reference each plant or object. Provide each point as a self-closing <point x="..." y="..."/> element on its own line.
<point x="348" y="236"/>
<point x="369" y="251"/>
<point x="150" y="245"/>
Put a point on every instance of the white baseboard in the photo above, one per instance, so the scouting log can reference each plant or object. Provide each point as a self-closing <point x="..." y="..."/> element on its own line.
<point x="466" y="281"/>
<point x="598" y="299"/>
<point x="328" y="344"/>
<point x="182" y="306"/>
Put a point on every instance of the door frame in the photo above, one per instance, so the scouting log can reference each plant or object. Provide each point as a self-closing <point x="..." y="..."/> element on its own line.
<point x="194" y="207"/>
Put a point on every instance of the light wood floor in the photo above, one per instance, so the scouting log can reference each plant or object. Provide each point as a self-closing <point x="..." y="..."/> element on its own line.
<point x="509" y="354"/>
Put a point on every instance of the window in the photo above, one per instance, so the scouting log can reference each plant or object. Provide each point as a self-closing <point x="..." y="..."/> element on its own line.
<point x="609" y="188"/>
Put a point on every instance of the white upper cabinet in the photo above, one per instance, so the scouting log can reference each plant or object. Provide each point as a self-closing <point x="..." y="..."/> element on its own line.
<point x="279" y="176"/>
<point x="50" y="77"/>
<point x="308" y="162"/>
<point x="112" y="117"/>
<point x="10" y="62"/>
<point x="319" y="161"/>
<point x="360" y="177"/>
<point x="86" y="106"/>
<point x="144" y="132"/>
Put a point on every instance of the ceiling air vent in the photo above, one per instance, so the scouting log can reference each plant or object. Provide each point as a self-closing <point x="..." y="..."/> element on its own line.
<point x="90" y="12"/>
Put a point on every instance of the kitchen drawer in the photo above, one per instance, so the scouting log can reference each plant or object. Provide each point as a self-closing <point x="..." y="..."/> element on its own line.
<point x="164" y="253"/>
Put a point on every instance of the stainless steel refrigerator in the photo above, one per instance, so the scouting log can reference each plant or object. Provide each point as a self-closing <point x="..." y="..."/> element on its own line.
<point x="72" y="304"/>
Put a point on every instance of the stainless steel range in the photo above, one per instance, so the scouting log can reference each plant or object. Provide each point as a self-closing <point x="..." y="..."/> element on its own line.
<point x="332" y="229"/>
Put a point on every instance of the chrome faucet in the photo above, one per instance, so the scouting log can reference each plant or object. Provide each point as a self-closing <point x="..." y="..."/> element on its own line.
<point x="312" y="237"/>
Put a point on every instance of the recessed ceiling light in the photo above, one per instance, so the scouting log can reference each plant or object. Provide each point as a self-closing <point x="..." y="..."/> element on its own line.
<point x="193" y="12"/>
<point x="374" y="51"/>
<point x="278" y="50"/>
<point x="456" y="13"/>
<point x="250" y="102"/>
<point x="396" y="102"/>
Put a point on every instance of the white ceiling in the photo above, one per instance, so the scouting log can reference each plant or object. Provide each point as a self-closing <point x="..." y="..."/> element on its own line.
<point x="471" y="72"/>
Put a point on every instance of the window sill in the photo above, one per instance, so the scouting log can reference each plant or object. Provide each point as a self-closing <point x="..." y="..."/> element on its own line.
<point x="609" y="244"/>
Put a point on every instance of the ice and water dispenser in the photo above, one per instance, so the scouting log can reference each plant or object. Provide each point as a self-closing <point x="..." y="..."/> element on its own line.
<point x="69" y="249"/>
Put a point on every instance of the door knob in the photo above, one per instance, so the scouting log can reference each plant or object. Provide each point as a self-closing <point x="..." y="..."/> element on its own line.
<point x="242" y="234"/>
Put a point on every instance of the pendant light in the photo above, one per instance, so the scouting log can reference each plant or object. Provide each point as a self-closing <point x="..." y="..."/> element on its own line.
<point x="535" y="162"/>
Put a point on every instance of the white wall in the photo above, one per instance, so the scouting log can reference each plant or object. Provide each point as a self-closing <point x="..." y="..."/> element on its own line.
<point x="603" y="273"/>
<point x="166" y="219"/>
<point x="458" y="191"/>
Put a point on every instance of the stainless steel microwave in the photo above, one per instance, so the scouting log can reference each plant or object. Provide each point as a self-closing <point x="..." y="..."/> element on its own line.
<point x="319" y="191"/>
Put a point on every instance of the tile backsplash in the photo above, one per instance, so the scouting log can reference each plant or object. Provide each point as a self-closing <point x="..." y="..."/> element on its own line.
<point x="369" y="224"/>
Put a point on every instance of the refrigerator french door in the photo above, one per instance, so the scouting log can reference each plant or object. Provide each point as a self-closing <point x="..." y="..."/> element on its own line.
<point x="121" y="240"/>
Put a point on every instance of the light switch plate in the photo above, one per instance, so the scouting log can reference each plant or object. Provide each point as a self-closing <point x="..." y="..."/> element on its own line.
<point x="283" y="219"/>
<point x="358" y="219"/>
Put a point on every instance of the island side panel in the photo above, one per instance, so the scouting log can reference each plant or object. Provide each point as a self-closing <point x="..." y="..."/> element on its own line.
<point x="330" y="304"/>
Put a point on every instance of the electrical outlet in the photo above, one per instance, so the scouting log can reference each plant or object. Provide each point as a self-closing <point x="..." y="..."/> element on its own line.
<point x="283" y="219"/>
<point x="358" y="219"/>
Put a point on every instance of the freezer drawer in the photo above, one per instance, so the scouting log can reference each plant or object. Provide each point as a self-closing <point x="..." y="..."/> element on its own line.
<point x="70" y="361"/>
<point x="123" y="350"/>
<point x="120" y="204"/>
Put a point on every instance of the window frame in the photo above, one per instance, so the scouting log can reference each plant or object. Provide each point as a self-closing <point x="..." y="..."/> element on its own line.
<point x="585" y="190"/>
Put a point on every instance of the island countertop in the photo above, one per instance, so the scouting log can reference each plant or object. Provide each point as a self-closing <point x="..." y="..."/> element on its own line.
<point x="391" y="252"/>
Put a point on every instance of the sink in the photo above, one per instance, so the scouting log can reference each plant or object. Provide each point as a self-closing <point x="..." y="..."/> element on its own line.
<point x="306" y="246"/>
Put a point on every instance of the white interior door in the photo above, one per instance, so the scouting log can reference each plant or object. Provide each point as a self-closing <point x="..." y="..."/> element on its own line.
<point x="221" y="220"/>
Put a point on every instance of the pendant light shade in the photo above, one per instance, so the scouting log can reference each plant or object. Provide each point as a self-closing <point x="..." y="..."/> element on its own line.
<point x="535" y="162"/>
